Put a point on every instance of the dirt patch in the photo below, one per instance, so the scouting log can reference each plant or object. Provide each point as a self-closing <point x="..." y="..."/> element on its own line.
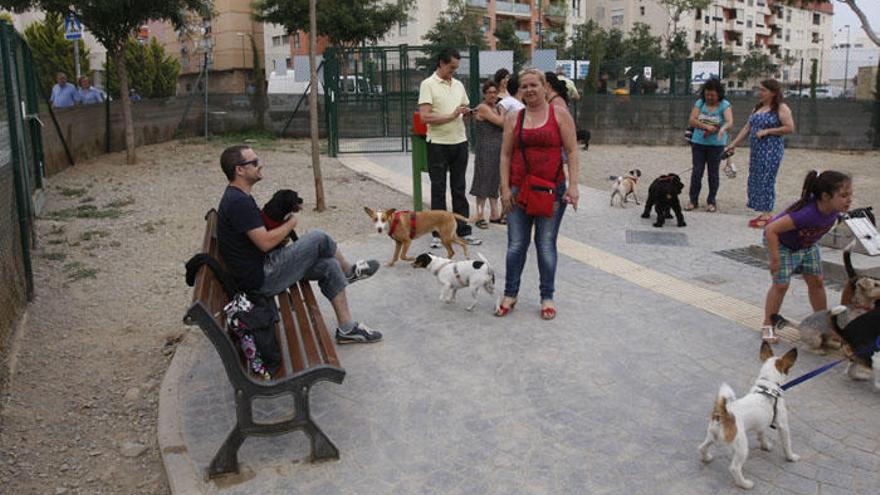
<point x="602" y="161"/>
<point x="80" y="412"/>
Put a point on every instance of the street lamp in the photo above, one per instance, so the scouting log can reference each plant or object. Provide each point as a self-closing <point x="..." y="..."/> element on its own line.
<point x="846" y="63"/>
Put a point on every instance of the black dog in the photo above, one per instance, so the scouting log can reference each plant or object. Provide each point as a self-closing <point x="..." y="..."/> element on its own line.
<point x="862" y="335"/>
<point x="663" y="196"/>
<point x="283" y="203"/>
<point x="584" y="136"/>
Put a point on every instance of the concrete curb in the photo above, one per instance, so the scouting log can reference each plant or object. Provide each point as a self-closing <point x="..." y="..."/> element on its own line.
<point x="183" y="475"/>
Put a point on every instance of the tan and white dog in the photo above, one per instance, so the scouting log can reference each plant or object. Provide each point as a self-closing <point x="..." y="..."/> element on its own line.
<point x="404" y="226"/>
<point x="761" y="409"/>
<point x="455" y="275"/>
<point x="626" y="185"/>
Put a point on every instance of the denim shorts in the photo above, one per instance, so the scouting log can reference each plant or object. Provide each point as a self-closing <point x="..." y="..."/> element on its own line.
<point x="808" y="259"/>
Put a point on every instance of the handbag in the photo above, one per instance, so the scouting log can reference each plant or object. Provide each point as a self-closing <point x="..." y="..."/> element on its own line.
<point x="537" y="195"/>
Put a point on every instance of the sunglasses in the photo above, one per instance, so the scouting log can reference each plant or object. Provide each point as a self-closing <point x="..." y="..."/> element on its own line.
<point x="255" y="163"/>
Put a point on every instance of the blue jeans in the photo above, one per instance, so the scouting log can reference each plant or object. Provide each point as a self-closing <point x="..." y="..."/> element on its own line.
<point x="312" y="257"/>
<point x="519" y="232"/>
<point x="709" y="157"/>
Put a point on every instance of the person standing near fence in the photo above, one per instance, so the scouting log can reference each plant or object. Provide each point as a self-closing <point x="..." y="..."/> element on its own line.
<point x="508" y="92"/>
<point x="443" y="104"/>
<point x="770" y="120"/>
<point x="487" y="156"/>
<point x="87" y="95"/>
<point x="711" y="118"/>
<point x="63" y="93"/>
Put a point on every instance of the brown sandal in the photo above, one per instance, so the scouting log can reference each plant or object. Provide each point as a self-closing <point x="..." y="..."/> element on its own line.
<point x="711" y="209"/>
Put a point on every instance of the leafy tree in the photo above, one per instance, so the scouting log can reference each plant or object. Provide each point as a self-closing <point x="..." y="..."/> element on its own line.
<point x="113" y="22"/>
<point x="589" y="42"/>
<point x="756" y="65"/>
<point x="677" y="8"/>
<point x="259" y="101"/>
<point x="151" y="73"/>
<point x="614" y="57"/>
<point x="554" y="37"/>
<point x="642" y="49"/>
<point x="458" y="27"/>
<point x="6" y="16"/>
<point x="677" y="55"/>
<point x="347" y="23"/>
<point x="505" y="33"/>
<point x="52" y="53"/>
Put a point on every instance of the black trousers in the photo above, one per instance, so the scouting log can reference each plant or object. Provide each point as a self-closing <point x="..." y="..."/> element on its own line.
<point x="451" y="159"/>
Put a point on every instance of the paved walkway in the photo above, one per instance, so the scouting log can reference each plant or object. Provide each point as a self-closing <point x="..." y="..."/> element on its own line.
<point x="611" y="397"/>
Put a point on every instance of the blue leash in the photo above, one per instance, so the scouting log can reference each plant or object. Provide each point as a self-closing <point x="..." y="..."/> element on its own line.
<point x="823" y="369"/>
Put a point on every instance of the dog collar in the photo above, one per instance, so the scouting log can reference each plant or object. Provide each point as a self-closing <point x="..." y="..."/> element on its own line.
<point x="396" y="220"/>
<point x="268" y="222"/>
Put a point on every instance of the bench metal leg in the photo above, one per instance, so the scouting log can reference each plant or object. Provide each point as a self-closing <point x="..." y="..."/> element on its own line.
<point x="322" y="448"/>
<point x="226" y="459"/>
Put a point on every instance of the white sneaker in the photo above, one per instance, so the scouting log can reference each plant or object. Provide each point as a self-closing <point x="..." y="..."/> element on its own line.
<point x="470" y="240"/>
<point x="435" y="243"/>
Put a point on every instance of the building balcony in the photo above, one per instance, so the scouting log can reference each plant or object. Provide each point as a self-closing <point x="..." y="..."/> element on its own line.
<point x="557" y="10"/>
<point x="503" y="7"/>
<point x="522" y="9"/>
<point x="524" y="36"/>
<point x="513" y="8"/>
<point x="481" y="4"/>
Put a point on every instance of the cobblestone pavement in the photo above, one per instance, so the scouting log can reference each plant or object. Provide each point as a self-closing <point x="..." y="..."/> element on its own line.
<point x="611" y="397"/>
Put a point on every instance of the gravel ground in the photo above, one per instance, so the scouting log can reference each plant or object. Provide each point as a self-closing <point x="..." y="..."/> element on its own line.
<point x="79" y="415"/>
<point x="603" y="161"/>
<point x="80" y="411"/>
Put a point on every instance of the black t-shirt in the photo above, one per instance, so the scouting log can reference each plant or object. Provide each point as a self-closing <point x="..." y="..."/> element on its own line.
<point x="238" y="214"/>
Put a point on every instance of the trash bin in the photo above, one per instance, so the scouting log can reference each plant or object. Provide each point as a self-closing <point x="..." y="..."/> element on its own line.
<point x="419" y="147"/>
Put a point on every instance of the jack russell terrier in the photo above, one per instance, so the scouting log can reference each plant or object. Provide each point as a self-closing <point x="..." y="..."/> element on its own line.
<point x="404" y="226"/>
<point x="761" y="409"/>
<point x="455" y="275"/>
<point x="626" y="185"/>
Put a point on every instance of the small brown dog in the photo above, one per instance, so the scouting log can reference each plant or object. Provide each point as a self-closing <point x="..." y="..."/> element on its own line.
<point x="625" y="185"/>
<point x="404" y="226"/>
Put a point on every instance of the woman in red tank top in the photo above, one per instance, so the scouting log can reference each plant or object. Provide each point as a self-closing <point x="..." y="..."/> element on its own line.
<point x="546" y="130"/>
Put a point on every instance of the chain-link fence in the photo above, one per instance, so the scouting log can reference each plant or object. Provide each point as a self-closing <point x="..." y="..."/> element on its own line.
<point x="371" y="94"/>
<point x="20" y="175"/>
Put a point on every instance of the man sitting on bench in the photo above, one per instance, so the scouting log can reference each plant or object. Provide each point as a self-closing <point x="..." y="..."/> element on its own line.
<point x="249" y="249"/>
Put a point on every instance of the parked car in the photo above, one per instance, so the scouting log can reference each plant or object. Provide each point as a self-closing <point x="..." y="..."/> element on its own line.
<point x="822" y="92"/>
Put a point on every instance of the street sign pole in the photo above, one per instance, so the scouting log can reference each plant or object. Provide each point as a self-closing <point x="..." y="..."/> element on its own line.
<point x="76" y="59"/>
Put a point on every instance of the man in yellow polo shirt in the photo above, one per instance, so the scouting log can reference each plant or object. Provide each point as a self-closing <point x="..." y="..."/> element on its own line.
<point x="443" y="104"/>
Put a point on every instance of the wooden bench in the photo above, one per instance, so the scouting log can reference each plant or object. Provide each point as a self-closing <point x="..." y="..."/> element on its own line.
<point x="308" y="356"/>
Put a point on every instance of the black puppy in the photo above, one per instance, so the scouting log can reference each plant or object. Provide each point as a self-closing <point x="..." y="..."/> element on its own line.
<point x="584" y="135"/>
<point x="663" y="196"/>
<point x="283" y="203"/>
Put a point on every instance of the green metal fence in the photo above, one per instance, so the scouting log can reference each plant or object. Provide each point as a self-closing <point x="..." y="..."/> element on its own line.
<point x="21" y="171"/>
<point x="371" y="93"/>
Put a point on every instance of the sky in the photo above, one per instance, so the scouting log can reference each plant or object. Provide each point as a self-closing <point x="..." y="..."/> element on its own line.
<point x="844" y="15"/>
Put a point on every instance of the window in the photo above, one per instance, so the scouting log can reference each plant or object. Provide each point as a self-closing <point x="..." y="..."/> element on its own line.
<point x="761" y="3"/>
<point x="706" y="20"/>
<point x="401" y="28"/>
<point x="617" y="17"/>
<point x="787" y="15"/>
<point x="788" y="35"/>
<point x="749" y="22"/>
<point x="815" y="38"/>
<point x="699" y="14"/>
<point x="486" y="24"/>
<point x="817" y="19"/>
<point x="600" y="13"/>
<point x="296" y="40"/>
<point x="576" y="8"/>
<point x="642" y="10"/>
<point x="289" y="62"/>
<point x="751" y="3"/>
<point x="697" y="36"/>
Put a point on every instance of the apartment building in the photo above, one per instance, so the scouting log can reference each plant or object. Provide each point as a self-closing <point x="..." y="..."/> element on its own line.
<point x="226" y="38"/>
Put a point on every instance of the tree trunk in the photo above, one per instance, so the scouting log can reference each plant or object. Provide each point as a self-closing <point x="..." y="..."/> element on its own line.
<point x="313" y="107"/>
<point x="122" y="73"/>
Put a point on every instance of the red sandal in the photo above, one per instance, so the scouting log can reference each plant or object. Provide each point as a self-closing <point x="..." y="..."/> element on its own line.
<point x="548" y="313"/>
<point x="502" y="310"/>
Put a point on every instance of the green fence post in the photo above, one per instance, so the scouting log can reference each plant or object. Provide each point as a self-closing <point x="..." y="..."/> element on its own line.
<point x="330" y="85"/>
<point x="33" y="106"/>
<point x="16" y="127"/>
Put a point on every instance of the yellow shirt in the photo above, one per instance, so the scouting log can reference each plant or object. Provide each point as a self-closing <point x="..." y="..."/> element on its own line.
<point x="444" y="97"/>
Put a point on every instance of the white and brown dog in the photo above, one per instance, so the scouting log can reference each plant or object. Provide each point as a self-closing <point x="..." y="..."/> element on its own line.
<point x="761" y="409"/>
<point x="625" y="185"/>
<point x="455" y="275"/>
<point x="404" y="226"/>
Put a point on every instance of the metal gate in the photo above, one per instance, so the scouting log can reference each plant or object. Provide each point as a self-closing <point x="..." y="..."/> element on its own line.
<point x="371" y="93"/>
<point x="21" y="170"/>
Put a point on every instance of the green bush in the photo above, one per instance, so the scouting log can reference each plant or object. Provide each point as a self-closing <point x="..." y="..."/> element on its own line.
<point x="151" y="73"/>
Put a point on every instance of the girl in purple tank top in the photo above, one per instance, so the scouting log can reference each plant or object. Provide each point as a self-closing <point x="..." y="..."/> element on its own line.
<point x="791" y="239"/>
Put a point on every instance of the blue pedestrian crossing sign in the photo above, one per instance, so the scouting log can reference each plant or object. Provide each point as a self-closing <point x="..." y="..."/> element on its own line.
<point x="72" y="27"/>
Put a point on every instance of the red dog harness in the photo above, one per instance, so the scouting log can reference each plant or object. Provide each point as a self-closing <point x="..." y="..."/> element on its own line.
<point x="396" y="220"/>
<point x="268" y="222"/>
